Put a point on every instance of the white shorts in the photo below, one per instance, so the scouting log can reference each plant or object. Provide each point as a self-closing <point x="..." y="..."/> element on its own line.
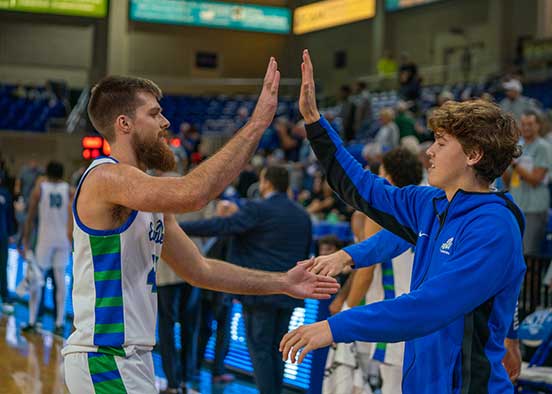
<point x="100" y="373"/>
<point x="49" y="255"/>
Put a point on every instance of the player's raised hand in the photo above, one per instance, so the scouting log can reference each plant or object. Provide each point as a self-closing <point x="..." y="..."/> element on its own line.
<point x="307" y="99"/>
<point x="268" y="99"/>
<point x="300" y="283"/>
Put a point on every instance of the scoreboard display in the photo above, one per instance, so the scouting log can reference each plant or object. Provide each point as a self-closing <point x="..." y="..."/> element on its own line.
<point x="88" y="8"/>
<point x="213" y="14"/>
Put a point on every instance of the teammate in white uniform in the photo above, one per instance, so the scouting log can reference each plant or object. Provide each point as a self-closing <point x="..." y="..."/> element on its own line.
<point x="120" y="232"/>
<point x="51" y="199"/>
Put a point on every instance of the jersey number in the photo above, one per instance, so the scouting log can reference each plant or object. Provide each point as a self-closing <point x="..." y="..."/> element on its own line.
<point x="55" y="200"/>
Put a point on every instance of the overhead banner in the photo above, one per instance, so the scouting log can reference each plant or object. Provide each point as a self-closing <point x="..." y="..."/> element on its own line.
<point x="89" y="8"/>
<point x="395" y="5"/>
<point x="212" y="14"/>
<point x="331" y="13"/>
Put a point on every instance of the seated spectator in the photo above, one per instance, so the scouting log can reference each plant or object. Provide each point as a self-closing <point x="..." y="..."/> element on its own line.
<point x="514" y="102"/>
<point x="405" y="121"/>
<point x="190" y="138"/>
<point x="289" y="143"/>
<point x="387" y="137"/>
<point x="241" y="118"/>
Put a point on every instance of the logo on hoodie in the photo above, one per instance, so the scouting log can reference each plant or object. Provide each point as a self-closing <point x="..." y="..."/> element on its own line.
<point x="445" y="247"/>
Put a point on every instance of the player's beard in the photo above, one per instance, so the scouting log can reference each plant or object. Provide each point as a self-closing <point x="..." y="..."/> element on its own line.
<point x="154" y="153"/>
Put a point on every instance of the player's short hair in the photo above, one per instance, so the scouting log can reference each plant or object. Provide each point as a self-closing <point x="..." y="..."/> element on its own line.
<point x="114" y="96"/>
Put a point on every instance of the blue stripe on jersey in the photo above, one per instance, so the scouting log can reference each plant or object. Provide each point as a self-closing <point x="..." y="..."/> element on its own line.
<point x="115" y="339"/>
<point x="109" y="315"/>
<point x="104" y="376"/>
<point x="107" y="262"/>
<point x="108" y="288"/>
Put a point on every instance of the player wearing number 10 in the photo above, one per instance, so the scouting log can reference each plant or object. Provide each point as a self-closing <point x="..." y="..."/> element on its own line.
<point x="51" y="200"/>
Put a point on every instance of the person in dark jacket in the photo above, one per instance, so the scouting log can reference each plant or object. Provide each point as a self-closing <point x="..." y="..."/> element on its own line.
<point x="7" y="229"/>
<point x="270" y="234"/>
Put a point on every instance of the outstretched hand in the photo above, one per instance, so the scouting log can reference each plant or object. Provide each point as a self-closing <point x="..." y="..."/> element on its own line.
<point x="307" y="98"/>
<point x="329" y="265"/>
<point x="304" y="284"/>
<point x="305" y="339"/>
<point x="268" y="100"/>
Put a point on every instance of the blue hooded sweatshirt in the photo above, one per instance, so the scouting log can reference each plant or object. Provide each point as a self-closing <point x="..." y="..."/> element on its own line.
<point x="466" y="276"/>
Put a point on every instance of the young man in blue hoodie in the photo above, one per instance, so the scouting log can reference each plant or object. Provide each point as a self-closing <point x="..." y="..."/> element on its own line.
<point x="468" y="266"/>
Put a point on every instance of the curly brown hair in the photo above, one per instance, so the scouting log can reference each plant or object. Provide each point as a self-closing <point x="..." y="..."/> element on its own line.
<point x="480" y="125"/>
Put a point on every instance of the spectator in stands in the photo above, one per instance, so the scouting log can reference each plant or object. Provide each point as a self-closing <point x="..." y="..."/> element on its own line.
<point x="190" y="138"/>
<point x="347" y="112"/>
<point x="362" y="100"/>
<point x="248" y="177"/>
<point x="387" y="66"/>
<point x="19" y="92"/>
<point x="443" y="97"/>
<point x="388" y="135"/>
<point x="180" y="156"/>
<point x="405" y="121"/>
<point x="271" y="234"/>
<point x="409" y="80"/>
<point x="7" y="230"/>
<point x="241" y="118"/>
<point x="322" y="201"/>
<point x="289" y="142"/>
<point x="514" y="102"/>
<point x="527" y="180"/>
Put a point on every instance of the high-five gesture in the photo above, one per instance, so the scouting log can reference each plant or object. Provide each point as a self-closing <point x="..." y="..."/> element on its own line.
<point x="307" y="99"/>
<point x="268" y="100"/>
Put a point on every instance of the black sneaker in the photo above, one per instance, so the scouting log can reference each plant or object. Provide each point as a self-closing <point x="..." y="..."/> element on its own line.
<point x="59" y="330"/>
<point x="29" y="329"/>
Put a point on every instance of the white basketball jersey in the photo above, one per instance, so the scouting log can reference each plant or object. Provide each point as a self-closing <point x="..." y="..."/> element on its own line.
<point x="391" y="279"/>
<point x="114" y="291"/>
<point x="53" y="213"/>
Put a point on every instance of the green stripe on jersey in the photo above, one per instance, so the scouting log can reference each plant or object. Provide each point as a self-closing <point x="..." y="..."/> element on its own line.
<point x="109" y="301"/>
<point x="101" y="364"/>
<point x="381" y="346"/>
<point x="107" y="275"/>
<point x="388" y="272"/>
<point x="389" y="287"/>
<point x="109" y="328"/>
<point x="114" y="351"/>
<point x="109" y="244"/>
<point x="115" y="386"/>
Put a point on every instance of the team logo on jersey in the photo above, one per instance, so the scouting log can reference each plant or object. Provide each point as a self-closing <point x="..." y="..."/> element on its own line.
<point x="156" y="233"/>
<point x="445" y="247"/>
